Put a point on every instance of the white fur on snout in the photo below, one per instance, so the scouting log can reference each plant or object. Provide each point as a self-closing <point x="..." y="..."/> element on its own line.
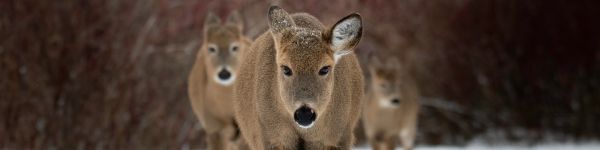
<point x="224" y="82"/>
<point x="386" y="103"/>
<point x="309" y="105"/>
<point x="306" y="127"/>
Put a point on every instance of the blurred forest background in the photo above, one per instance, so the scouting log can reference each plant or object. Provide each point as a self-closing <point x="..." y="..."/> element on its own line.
<point x="111" y="74"/>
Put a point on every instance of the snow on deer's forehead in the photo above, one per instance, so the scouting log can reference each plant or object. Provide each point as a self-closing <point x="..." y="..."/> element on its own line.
<point x="307" y="47"/>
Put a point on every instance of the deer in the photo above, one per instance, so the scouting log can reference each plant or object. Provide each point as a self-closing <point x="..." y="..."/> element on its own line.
<point x="392" y="106"/>
<point x="210" y="83"/>
<point x="300" y="85"/>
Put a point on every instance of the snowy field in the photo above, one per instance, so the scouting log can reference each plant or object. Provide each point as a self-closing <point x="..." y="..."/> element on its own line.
<point x="550" y="146"/>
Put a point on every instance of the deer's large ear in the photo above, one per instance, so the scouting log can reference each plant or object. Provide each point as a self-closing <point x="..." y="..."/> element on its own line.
<point x="211" y="20"/>
<point x="235" y="20"/>
<point x="279" y="21"/>
<point x="345" y="35"/>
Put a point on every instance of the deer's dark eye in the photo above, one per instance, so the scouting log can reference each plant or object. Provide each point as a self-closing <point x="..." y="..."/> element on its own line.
<point x="324" y="70"/>
<point x="234" y="48"/>
<point x="286" y="70"/>
<point x="212" y="49"/>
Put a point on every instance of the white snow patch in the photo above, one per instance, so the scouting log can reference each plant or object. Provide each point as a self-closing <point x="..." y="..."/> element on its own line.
<point x="481" y="146"/>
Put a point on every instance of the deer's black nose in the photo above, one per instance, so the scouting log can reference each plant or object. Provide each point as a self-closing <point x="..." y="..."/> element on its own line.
<point x="224" y="74"/>
<point x="305" y="116"/>
<point x="395" y="101"/>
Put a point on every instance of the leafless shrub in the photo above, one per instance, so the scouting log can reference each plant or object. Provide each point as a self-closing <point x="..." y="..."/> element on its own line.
<point x="111" y="74"/>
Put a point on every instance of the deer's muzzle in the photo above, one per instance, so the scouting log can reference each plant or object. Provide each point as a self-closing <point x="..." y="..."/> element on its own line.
<point x="305" y="117"/>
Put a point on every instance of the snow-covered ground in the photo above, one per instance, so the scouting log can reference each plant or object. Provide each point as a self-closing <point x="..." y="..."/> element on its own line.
<point x="476" y="146"/>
